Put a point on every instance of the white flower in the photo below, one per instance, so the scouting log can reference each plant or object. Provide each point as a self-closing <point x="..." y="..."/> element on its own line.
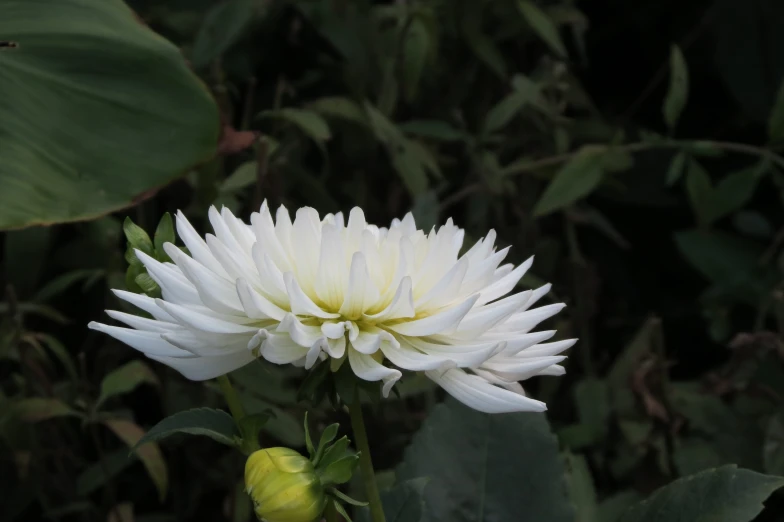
<point x="322" y="288"/>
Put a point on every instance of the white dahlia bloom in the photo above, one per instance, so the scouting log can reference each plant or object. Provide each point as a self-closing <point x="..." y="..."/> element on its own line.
<point x="386" y="299"/>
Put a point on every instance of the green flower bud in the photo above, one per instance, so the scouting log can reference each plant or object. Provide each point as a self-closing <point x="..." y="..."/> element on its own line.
<point x="284" y="486"/>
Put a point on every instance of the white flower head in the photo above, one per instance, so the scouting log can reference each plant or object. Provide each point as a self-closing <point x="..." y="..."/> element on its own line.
<point x="386" y="299"/>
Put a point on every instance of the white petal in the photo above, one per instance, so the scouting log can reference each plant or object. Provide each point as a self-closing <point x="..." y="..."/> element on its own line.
<point x="369" y="339"/>
<point x="206" y="344"/>
<point x="301" y="334"/>
<point x="401" y="306"/>
<point x="149" y="343"/>
<point x="305" y="246"/>
<point x="267" y="240"/>
<point x="492" y="378"/>
<point x="477" y="393"/>
<point x="145" y="303"/>
<point x="555" y="370"/>
<point x="280" y="349"/>
<point x="141" y="323"/>
<point x="519" y="369"/>
<point x="523" y="322"/>
<point x="198" y="321"/>
<point x="542" y="349"/>
<point x="518" y="343"/>
<point x="174" y="286"/>
<point x="361" y="293"/>
<point x="257" y="306"/>
<point x="332" y="277"/>
<point x="367" y="369"/>
<point x="464" y="356"/>
<point x="196" y="245"/>
<point x="446" y="290"/>
<point x="203" y="368"/>
<point x="504" y="285"/>
<point x="443" y="322"/>
<point x="214" y="291"/>
<point x="406" y="357"/>
<point x="301" y="304"/>
<point x="483" y="318"/>
<point x="538" y="294"/>
<point x="336" y="348"/>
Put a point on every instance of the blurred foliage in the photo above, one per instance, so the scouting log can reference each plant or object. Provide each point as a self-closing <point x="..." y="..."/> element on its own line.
<point x="634" y="148"/>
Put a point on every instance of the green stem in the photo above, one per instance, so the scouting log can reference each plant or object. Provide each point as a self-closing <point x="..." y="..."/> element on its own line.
<point x="365" y="462"/>
<point x="232" y="399"/>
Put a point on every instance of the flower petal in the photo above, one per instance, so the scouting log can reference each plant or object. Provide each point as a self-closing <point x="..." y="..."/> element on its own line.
<point x="504" y="285"/>
<point x="443" y="322"/>
<point x="401" y="306"/>
<point x="197" y="246"/>
<point x="475" y="392"/>
<point x="301" y="304"/>
<point x="360" y="292"/>
<point x="145" y="303"/>
<point x="149" y="343"/>
<point x="405" y="356"/>
<point x="368" y="369"/>
<point x="203" y="368"/>
<point x="257" y="306"/>
<point x="207" y="323"/>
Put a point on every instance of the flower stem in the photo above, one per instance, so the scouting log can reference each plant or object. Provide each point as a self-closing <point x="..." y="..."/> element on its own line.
<point x="365" y="462"/>
<point x="232" y="399"/>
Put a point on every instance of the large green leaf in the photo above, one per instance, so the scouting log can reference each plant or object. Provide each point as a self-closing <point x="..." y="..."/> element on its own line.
<point x="216" y="424"/>
<point x="97" y="111"/>
<point x="402" y="503"/>
<point x="488" y="467"/>
<point x="125" y="379"/>
<point x="725" y="494"/>
<point x="575" y="180"/>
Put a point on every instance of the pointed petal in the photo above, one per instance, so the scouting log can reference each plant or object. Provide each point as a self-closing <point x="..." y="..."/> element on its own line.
<point x="477" y="393"/>
<point x="142" y="323"/>
<point x="197" y="246"/>
<point x="149" y="343"/>
<point x="198" y="321"/>
<point x="257" y="306"/>
<point x="369" y="340"/>
<point x="506" y="284"/>
<point x="401" y="306"/>
<point x="406" y="357"/>
<point x="301" y="304"/>
<point x="367" y="369"/>
<point x="203" y="368"/>
<point x="145" y="303"/>
<point x="443" y="322"/>
<point x="361" y="293"/>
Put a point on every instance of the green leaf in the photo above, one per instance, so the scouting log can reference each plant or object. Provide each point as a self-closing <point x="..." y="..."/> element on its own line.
<point x="736" y="189"/>
<point x="581" y="488"/>
<point x="307" y="121"/>
<point x="98" y="473"/>
<point x="24" y="255"/>
<point x="776" y="119"/>
<point x="327" y="436"/>
<point x="725" y="494"/>
<point x="341" y="510"/>
<point x="36" y="409"/>
<point x="700" y="190"/>
<point x="676" y="168"/>
<point x="164" y="233"/>
<point x="147" y="284"/>
<point x="525" y="93"/>
<point x="216" y="424"/>
<point x="150" y="454"/>
<point x="416" y="49"/>
<point x="111" y="138"/>
<point x="543" y="26"/>
<point x="125" y="379"/>
<point x="308" y="441"/>
<point x="223" y="25"/>
<point x="612" y="508"/>
<point x="729" y="262"/>
<point x="341" y="108"/>
<point x="244" y="176"/>
<point x="592" y="399"/>
<point x="340" y="471"/>
<point x="473" y="460"/>
<point x="403" y="503"/>
<point x="405" y="159"/>
<point x="432" y="129"/>
<point x="250" y="426"/>
<point x="575" y="180"/>
<point x="137" y="237"/>
<point x="335" y="452"/>
<point x="773" y="450"/>
<point x="678" y="93"/>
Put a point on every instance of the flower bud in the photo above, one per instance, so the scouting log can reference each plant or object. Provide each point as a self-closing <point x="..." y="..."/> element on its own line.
<point x="284" y="486"/>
